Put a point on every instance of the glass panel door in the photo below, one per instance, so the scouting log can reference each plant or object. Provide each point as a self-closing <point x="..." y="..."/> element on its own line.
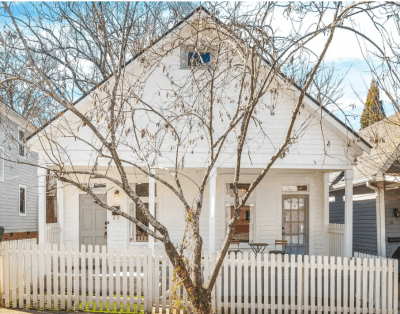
<point x="295" y="223"/>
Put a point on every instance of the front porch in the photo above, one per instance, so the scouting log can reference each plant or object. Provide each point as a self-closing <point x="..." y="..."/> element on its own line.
<point x="289" y="204"/>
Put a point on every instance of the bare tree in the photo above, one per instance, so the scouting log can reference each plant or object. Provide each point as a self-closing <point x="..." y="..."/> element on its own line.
<point x="238" y="68"/>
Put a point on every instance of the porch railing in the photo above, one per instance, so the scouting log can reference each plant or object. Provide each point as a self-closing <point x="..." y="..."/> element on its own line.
<point x="336" y="239"/>
<point x="53" y="233"/>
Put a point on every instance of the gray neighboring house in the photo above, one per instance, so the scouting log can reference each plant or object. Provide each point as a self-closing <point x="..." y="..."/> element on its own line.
<point x="18" y="182"/>
<point x="376" y="192"/>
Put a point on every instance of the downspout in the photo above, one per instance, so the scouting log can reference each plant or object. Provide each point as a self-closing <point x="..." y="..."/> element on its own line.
<point x="380" y="216"/>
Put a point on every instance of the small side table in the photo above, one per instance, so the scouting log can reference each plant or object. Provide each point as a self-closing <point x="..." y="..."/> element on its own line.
<point x="258" y="247"/>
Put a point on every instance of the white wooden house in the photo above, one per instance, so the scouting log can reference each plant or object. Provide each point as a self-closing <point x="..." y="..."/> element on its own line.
<point x="298" y="183"/>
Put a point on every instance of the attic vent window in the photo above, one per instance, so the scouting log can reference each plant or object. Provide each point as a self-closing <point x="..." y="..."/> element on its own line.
<point x="295" y="188"/>
<point x="196" y="58"/>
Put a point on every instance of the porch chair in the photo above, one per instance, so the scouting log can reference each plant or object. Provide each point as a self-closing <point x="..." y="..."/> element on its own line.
<point x="283" y="243"/>
<point x="236" y="251"/>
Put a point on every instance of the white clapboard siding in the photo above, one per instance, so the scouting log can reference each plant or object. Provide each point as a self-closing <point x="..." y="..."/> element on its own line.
<point x="57" y="278"/>
<point x="336" y="239"/>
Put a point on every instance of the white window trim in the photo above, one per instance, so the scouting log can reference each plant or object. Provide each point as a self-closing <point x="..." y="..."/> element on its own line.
<point x="24" y="155"/>
<point x="2" y="166"/>
<point x="19" y="200"/>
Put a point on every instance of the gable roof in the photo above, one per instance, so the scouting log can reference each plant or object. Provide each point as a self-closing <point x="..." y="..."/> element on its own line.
<point x="384" y="137"/>
<point x="345" y="127"/>
<point x="17" y="118"/>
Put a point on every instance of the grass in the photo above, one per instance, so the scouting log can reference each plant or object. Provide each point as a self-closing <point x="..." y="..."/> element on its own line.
<point x="107" y="308"/>
<point x="100" y="310"/>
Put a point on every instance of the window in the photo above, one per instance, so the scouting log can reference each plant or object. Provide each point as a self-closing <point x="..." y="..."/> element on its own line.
<point x="294" y="188"/>
<point x="22" y="200"/>
<point x="1" y="164"/>
<point x="196" y="58"/>
<point x="21" y="141"/>
<point x="242" y="187"/>
<point x="192" y="57"/>
<point x="244" y="227"/>
<point x="143" y="189"/>
<point x="137" y="234"/>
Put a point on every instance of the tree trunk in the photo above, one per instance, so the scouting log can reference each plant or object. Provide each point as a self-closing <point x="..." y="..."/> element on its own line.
<point x="201" y="300"/>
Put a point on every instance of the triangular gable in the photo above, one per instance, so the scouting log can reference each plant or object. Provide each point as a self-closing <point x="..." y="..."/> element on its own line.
<point x="345" y="130"/>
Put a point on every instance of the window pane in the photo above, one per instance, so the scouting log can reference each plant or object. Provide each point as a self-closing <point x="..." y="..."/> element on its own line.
<point x="21" y="149"/>
<point x="141" y="235"/>
<point x="295" y="228"/>
<point x="286" y="204"/>
<point x="302" y="215"/>
<point x="22" y="200"/>
<point x="242" y="187"/>
<point x="242" y="228"/>
<point x="295" y="215"/>
<point x="287" y="228"/>
<point x="294" y="188"/>
<point x="302" y="228"/>
<point x="21" y="139"/>
<point x="295" y="203"/>
<point x="195" y="58"/>
<point x="287" y="215"/>
<point x="142" y="189"/>
<point x="206" y="57"/>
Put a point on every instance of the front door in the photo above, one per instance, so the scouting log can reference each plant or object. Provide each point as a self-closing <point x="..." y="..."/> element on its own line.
<point x="295" y="223"/>
<point x="92" y="221"/>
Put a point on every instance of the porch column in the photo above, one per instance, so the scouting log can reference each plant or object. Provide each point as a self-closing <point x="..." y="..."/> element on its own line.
<point x="381" y="221"/>
<point x="42" y="204"/>
<point x="152" y="199"/>
<point x="60" y="209"/>
<point x="211" y="217"/>
<point x="348" y="213"/>
<point x="326" y="210"/>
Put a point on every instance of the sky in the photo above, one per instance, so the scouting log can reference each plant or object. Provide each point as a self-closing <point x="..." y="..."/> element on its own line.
<point x="347" y="57"/>
<point x="347" y="53"/>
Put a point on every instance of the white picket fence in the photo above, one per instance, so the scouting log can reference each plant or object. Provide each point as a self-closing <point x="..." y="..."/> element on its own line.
<point x="336" y="239"/>
<point x="19" y="243"/>
<point x="53" y="233"/>
<point x="46" y="277"/>
<point x="364" y="255"/>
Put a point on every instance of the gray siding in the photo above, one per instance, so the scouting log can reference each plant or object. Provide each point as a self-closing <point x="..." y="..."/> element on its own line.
<point x="392" y="200"/>
<point x="15" y="175"/>
<point x="364" y="219"/>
